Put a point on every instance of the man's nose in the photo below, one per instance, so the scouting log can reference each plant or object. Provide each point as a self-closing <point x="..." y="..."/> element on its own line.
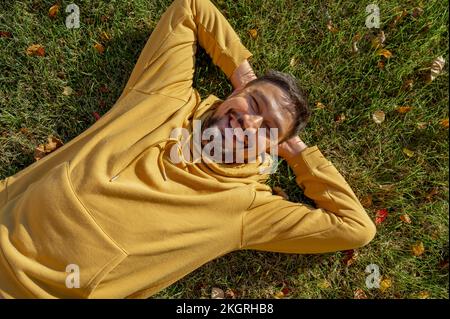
<point x="251" y="121"/>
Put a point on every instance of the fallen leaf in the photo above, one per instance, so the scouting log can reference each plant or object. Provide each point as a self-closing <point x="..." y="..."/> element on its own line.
<point x="366" y="201"/>
<point x="99" y="47"/>
<point x="324" y="284"/>
<point x="286" y="291"/>
<point x="67" y="91"/>
<point x="378" y="116"/>
<point x="5" y="34"/>
<point x="96" y="115"/>
<point x="444" y="123"/>
<point x="253" y="33"/>
<point x="24" y="130"/>
<point x="230" y="294"/>
<point x="381" y="216"/>
<point x="408" y="152"/>
<point x="293" y="62"/>
<point x="53" y="11"/>
<point x="320" y="105"/>
<point x="421" y="125"/>
<point x="217" y="293"/>
<point x="399" y="17"/>
<point x="385" y="284"/>
<point x="355" y="47"/>
<point x="52" y="144"/>
<point x="360" y="294"/>
<point x="403" y="109"/>
<point x="387" y="187"/>
<point x="377" y="41"/>
<point x="331" y="28"/>
<point x="103" y="89"/>
<point x="436" y="68"/>
<point x="104" y="18"/>
<point x="350" y="257"/>
<point x="105" y="36"/>
<point x="423" y="295"/>
<point x="405" y="218"/>
<point x="102" y="104"/>
<point x="279" y="295"/>
<point x="280" y="192"/>
<point x="380" y="65"/>
<point x="340" y="118"/>
<point x="434" y="191"/>
<point x="36" y="50"/>
<point x="384" y="52"/>
<point x="417" y="12"/>
<point x="408" y="85"/>
<point x="418" y="249"/>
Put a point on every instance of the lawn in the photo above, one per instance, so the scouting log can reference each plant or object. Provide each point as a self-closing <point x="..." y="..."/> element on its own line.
<point x="399" y="165"/>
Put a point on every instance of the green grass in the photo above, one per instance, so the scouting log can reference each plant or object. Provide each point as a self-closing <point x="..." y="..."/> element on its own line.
<point x="367" y="154"/>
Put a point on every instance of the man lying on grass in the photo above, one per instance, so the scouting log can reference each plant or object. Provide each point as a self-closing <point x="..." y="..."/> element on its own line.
<point x="121" y="211"/>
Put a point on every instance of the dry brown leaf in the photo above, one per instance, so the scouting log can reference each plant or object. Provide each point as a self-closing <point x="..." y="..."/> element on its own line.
<point x="418" y="249"/>
<point x="366" y="201"/>
<point x="217" y="293"/>
<point x="423" y="295"/>
<point x="417" y="12"/>
<point x="377" y="41"/>
<point x="331" y="28"/>
<point x="399" y="17"/>
<point x="230" y="294"/>
<point x="433" y="192"/>
<point x="436" y="68"/>
<point x="380" y="65"/>
<point x="52" y="144"/>
<point x="408" y="152"/>
<point x="378" y="116"/>
<point x="405" y="218"/>
<point x="36" y="50"/>
<point x="350" y="257"/>
<point x="444" y="123"/>
<point x="360" y="294"/>
<point x="53" y="11"/>
<point x="340" y="118"/>
<point x="253" y="33"/>
<point x="408" y="85"/>
<point x="384" y="52"/>
<point x="5" y="34"/>
<point x="403" y="109"/>
<point x="355" y="47"/>
<point x="280" y="192"/>
<point x="99" y="47"/>
<point x="422" y="125"/>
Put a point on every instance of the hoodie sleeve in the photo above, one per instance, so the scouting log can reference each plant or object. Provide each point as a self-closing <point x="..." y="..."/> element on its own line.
<point x="338" y="223"/>
<point x="166" y="64"/>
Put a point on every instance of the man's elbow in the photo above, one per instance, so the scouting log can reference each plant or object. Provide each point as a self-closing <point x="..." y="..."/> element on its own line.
<point x="364" y="233"/>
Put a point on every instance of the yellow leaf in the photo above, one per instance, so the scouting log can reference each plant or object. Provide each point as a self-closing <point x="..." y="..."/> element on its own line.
<point x="99" y="47"/>
<point x="105" y="36"/>
<point x="403" y="109"/>
<point x="320" y="105"/>
<point x="378" y="116"/>
<point x="405" y="218"/>
<point x="36" y="50"/>
<point x="378" y="41"/>
<point x="293" y="62"/>
<point x="444" y="123"/>
<point x="408" y="152"/>
<point x="384" y="52"/>
<point x="52" y="144"/>
<point x="418" y="249"/>
<point x="279" y="295"/>
<point x="324" y="284"/>
<point x="385" y="284"/>
<point x="53" y="11"/>
<point x="423" y="295"/>
<point x="253" y="33"/>
<point x="67" y="90"/>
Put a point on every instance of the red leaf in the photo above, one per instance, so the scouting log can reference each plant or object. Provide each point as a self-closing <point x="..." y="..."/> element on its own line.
<point x="381" y="215"/>
<point x="96" y="115"/>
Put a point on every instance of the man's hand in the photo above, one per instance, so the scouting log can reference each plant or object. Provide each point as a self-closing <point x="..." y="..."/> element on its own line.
<point x="290" y="148"/>
<point x="242" y="75"/>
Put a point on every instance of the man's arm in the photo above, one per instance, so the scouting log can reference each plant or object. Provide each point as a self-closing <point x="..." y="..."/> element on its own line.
<point x="167" y="62"/>
<point x="338" y="223"/>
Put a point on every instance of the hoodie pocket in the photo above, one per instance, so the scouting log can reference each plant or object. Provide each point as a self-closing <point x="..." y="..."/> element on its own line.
<point x="52" y="244"/>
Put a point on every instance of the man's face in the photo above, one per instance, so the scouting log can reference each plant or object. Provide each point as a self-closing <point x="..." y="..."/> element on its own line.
<point x="260" y="105"/>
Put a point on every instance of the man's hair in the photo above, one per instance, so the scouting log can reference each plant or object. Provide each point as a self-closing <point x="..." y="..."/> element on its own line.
<point x="296" y="96"/>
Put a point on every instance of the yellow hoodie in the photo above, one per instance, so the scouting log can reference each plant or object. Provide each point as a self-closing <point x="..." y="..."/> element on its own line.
<point x="111" y="203"/>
